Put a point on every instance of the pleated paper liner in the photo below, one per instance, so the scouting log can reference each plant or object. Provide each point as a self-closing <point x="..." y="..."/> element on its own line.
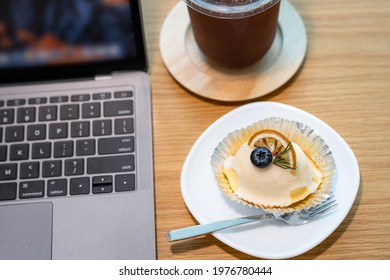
<point x="309" y="141"/>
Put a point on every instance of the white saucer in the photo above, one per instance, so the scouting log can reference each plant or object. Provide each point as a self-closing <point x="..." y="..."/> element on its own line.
<point x="272" y="240"/>
<point x="190" y="68"/>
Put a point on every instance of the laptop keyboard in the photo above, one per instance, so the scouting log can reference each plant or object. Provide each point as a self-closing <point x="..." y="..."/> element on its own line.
<point x="67" y="145"/>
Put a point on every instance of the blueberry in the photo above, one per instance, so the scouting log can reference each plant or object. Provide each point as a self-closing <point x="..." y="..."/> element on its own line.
<point x="261" y="157"/>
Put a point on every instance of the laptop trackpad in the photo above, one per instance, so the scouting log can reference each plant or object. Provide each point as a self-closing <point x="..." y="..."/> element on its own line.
<point x="26" y="231"/>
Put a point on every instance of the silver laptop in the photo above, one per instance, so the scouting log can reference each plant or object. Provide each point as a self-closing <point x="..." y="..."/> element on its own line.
<point x="76" y="168"/>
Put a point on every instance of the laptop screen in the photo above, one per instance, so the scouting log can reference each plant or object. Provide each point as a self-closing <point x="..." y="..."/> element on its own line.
<point x="60" y="39"/>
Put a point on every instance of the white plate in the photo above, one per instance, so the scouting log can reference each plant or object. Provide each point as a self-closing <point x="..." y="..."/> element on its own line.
<point x="271" y="240"/>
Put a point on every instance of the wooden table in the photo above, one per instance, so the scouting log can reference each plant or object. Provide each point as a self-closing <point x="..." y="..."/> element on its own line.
<point x="344" y="80"/>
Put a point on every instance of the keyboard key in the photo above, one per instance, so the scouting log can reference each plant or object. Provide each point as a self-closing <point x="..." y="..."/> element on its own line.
<point x="99" y="165"/>
<point x="116" y="145"/>
<point x="29" y="170"/>
<point x="37" y="100"/>
<point x="41" y="150"/>
<point x="8" y="171"/>
<point x="102" y="184"/>
<point x="48" y="113"/>
<point x="80" y="97"/>
<point x="36" y="132"/>
<point x="63" y="149"/>
<point x="123" y="94"/>
<point x="74" y="166"/>
<point x="102" y="189"/>
<point x="101" y="95"/>
<point x="59" y="99"/>
<point x="14" y="133"/>
<point x="85" y="147"/>
<point x="79" y="186"/>
<point x="6" y="116"/>
<point x="31" y="189"/>
<point x="101" y="180"/>
<point x="124" y="126"/>
<point x="16" y="102"/>
<point x="69" y="112"/>
<point x="3" y="153"/>
<point x="80" y="129"/>
<point x="51" y="168"/>
<point x="118" y="108"/>
<point x="19" y="152"/>
<point x="57" y="187"/>
<point x="58" y="130"/>
<point x="8" y="191"/>
<point x="25" y="115"/>
<point x="125" y="182"/>
<point x="91" y="110"/>
<point x="101" y="127"/>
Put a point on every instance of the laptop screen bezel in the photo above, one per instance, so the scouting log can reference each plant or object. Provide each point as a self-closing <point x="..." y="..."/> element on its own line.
<point x="85" y="70"/>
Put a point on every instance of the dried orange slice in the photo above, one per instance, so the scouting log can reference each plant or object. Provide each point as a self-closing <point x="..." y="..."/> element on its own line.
<point x="279" y="145"/>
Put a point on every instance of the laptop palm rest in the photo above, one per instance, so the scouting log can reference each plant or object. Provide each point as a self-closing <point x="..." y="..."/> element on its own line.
<point x="26" y="231"/>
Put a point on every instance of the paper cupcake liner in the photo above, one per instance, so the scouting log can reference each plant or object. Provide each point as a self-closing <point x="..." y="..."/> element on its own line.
<point x="309" y="141"/>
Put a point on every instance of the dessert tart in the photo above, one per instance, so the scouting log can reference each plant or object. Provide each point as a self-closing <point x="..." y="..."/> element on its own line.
<point x="274" y="164"/>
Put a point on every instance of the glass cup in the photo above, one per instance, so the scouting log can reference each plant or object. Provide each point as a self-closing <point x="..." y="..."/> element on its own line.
<point x="234" y="33"/>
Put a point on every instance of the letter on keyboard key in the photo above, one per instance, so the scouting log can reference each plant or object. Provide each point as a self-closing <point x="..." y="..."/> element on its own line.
<point x="19" y="152"/>
<point x="14" y="133"/>
<point x="113" y="164"/>
<point x="8" y="171"/>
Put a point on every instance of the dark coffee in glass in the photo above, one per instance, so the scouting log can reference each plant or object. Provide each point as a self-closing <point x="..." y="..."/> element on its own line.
<point x="234" y="33"/>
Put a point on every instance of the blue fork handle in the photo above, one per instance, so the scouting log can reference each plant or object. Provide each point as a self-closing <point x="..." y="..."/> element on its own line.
<point x="197" y="230"/>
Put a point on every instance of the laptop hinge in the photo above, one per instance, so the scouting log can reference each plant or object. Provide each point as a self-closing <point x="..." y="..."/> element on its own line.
<point x="103" y="77"/>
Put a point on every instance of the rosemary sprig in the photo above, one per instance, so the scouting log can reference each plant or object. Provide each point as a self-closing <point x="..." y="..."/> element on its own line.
<point x="281" y="161"/>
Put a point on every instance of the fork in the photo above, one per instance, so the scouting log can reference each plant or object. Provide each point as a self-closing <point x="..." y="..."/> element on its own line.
<point x="293" y="218"/>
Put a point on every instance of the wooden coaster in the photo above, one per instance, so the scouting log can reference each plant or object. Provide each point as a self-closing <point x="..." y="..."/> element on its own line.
<point x="187" y="64"/>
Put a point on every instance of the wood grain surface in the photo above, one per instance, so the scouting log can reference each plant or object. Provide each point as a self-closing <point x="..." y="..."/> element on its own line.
<point x="344" y="80"/>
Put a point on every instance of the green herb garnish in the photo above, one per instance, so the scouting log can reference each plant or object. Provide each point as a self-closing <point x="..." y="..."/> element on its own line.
<point x="281" y="161"/>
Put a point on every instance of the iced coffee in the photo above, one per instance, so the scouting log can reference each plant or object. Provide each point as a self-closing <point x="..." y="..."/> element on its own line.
<point x="234" y="33"/>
